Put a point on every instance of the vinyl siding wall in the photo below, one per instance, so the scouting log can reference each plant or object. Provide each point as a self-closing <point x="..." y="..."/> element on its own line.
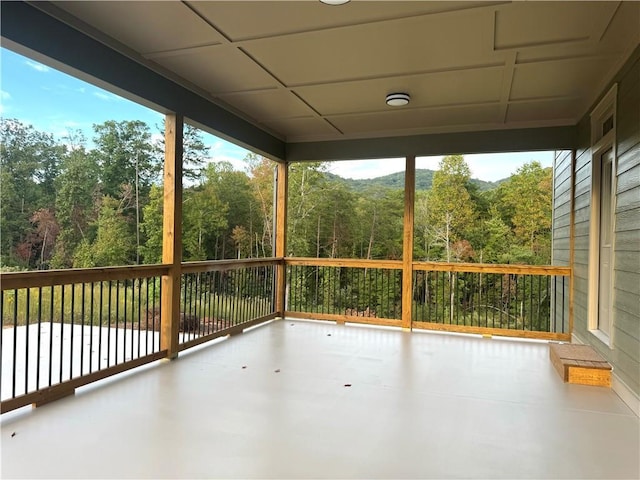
<point x="624" y="353"/>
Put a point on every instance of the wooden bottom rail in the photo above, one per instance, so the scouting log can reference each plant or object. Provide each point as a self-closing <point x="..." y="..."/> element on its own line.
<point x="227" y="331"/>
<point x="502" y="332"/>
<point x="385" y="322"/>
<point x="55" y="392"/>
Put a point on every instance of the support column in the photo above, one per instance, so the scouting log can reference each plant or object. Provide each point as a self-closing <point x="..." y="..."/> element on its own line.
<point x="172" y="233"/>
<point x="407" y="241"/>
<point x="281" y="235"/>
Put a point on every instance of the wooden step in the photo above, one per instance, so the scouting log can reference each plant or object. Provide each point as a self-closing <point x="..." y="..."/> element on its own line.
<point x="580" y="364"/>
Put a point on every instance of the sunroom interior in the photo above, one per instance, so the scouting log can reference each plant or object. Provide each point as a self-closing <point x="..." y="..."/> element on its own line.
<point x="304" y="394"/>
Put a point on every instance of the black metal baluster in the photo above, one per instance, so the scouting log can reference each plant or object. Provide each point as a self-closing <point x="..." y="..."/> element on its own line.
<point x="539" y="302"/>
<point x="73" y="317"/>
<point x="241" y="302"/>
<point x="100" y="330"/>
<point x="140" y="280"/>
<point x="39" y="337"/>
<point x="51" y="312"/>
<point x="91" y="314"/>
<point x="82" y="313"/>
<point x="563" y="310"/>
<point x="124" y="323"/>
<point x="201" y="302"/>
<point x="109" y="326"/>
<point x="146" y="316"/>
<point x="157" y="345"/>
<point x="62" y="289"/>
<point x="15" y="342"/>
<point x="28" y="327"/>
<point x="212" y="301"/>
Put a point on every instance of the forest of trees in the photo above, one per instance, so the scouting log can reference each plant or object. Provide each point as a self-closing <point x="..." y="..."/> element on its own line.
<point x="64" y="204"/>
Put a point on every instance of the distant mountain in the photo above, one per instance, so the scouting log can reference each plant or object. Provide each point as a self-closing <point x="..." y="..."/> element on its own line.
<point x="424" y="179"/>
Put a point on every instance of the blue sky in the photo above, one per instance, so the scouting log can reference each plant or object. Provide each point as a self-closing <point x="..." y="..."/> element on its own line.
<point x="57" y="103"/>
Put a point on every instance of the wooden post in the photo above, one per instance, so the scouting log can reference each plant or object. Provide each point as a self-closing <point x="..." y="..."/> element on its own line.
<point x="281" y="235"/>
<point x="407" y="241"/>
<point x="172" y="234"/>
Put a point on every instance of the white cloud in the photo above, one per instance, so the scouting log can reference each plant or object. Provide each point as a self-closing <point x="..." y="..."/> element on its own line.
<point x="358" y="169"/>
<point x="4" y="97"/>
<point x="107" y="97"/>
<point x="37" y="66"/>
<point x="487" y="167"/>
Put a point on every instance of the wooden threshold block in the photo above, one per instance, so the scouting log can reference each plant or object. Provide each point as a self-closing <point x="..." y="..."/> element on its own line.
<point x="580" y="364"/>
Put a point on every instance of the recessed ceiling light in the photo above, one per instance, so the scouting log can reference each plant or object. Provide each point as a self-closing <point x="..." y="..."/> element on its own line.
<point x="398" y="99"/>
<point x="334" y="2"/>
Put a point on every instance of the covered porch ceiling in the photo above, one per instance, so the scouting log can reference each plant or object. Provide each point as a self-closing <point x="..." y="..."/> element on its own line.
<point x="307" y="81"/>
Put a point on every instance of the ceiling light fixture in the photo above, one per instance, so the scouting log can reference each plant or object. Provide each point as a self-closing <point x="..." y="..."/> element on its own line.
<point x="334" y="2"/>
<point x="398" y="99"/>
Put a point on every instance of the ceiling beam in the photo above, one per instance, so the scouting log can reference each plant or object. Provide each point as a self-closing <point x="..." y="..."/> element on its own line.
<point x="29" y="30"/>
<point x="491" y="141"/>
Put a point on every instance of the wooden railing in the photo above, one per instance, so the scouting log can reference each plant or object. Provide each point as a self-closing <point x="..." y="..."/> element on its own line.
<point x="357" y="291"/>
<point x="224" y="297"/>
<point x="509" y="300"/>
<point x="62" y="329"/>
<point x="66" y="328"/>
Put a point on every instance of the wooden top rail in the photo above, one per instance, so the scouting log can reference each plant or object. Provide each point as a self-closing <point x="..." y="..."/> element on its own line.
<point x="223" y="265"/>
<point x="492" y="268"/>
<point x="45" y="278"/>
<point x="432" y="266"/>
<point x="341" y="262"/>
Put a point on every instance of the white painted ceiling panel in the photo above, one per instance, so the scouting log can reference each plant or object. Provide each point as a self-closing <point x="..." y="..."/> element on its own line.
<point x="446" y="88"/>
<point x="416" y="120"/>
<point x="305" y="70"/>
<point x="558" y="78"/>
<point x="559" y="110"/>
<point x="241" y="20"/>
<point x="218" y="70"/>
<point x="269" y="104"/>
<point x="533" y="24"/>
<point x="303" y="127"/>
<point x="146" y="26"/>
<point x="421" y="44"/>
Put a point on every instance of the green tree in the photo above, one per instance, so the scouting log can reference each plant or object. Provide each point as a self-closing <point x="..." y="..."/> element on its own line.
<point x="204" y="220"/>
<point x="306" y="185"/>
<point x="29" y="162"/>
<point x="114" y="243"/>
<point x="127" y="161"/>
<point x="528" y="195"/>
<point x="335" y="221"/>
<point x="450" y="208"/>
<point x="194" y="151"/>
<point x="151" y="248"/>
<point x="77" y="190"/>
<point x="233" y="190"/>
<point x="261" y="183"/>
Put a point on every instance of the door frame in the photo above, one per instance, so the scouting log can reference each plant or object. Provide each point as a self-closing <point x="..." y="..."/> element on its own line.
<point x="603" y="139"/>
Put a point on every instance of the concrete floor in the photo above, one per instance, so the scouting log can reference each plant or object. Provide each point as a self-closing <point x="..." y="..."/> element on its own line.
<point x="421" y="405"/>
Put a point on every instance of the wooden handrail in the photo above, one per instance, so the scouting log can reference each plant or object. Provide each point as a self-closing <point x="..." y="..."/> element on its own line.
<point x="45" y="278"/>
<point x="42" y="278"/>
<point x="492" y="268"/>
<point x="223" y="265"/>
<point x="432" y="266"/>
<point x="342" y="262"/>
